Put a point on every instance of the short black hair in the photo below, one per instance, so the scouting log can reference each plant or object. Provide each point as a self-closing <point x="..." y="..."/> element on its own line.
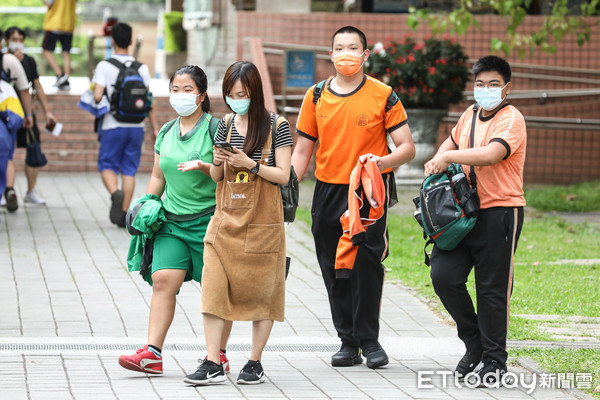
<point x="10" y="31"/>
<point x="121" y="34"/>
<point x="351" y="29"/>
<point x="492" y="63"/>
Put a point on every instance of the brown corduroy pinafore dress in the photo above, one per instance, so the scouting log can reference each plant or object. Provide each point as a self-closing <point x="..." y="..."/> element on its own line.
<point x="244" y="248"/>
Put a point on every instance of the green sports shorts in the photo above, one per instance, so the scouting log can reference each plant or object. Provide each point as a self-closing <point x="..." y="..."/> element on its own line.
<point x="180" y="245"/>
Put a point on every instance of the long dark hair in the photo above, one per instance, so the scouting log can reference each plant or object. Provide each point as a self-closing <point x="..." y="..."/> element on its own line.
<point x="259" y="119"/>
<point x="199" y="78"/>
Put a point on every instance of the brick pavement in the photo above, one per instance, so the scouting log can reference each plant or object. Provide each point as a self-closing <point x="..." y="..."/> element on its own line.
<point x="70" y="307"/>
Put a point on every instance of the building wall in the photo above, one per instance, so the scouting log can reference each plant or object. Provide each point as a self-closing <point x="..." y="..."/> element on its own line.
<point x="553" y="156"/>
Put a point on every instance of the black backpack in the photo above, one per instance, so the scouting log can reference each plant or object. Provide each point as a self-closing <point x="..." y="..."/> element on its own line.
<point x="130" y="100"/>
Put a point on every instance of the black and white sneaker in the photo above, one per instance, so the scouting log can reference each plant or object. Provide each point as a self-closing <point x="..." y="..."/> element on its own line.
<point x="61" y="80"/>
<point x="207" y="373"/>
<point x="467" y="364"/>
<point x="490" y="375"/>
<point x="252" y="373"/>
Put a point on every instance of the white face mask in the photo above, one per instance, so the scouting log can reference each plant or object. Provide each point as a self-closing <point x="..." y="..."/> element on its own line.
<point x="184" y="103"/>
<point x="488" y="98"/>
<point x="15" y="46"/>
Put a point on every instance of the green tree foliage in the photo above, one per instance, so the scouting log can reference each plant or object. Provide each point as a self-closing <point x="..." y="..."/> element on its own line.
<point x="561" y="22"/>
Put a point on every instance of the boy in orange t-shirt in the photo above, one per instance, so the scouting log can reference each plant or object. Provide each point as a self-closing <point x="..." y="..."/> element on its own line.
<point x="498" y="157"/>
<point x="352" y="117"/>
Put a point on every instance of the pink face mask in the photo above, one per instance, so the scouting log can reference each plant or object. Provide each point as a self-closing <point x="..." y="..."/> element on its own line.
<point x="348" y="63"/>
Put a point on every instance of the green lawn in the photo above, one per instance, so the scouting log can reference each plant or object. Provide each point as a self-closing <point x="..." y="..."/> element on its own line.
<point x="542" y="285"/>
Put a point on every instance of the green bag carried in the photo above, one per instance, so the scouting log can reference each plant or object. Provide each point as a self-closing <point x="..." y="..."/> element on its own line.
<point x="447" y="205"/>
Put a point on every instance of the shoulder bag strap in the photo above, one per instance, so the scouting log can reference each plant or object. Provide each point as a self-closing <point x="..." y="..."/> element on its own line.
<point x="228" y="123"/>
<point x="472" y="176"/>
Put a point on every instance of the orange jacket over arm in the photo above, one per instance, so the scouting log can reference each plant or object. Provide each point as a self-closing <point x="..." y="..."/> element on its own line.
<point x="365" y="181"/>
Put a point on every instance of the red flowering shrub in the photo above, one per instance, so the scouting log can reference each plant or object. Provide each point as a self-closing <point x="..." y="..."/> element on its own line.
<point x="429" y="75"/>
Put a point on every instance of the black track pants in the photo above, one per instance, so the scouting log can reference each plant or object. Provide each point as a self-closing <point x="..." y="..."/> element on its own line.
<point x="490" y="248"/>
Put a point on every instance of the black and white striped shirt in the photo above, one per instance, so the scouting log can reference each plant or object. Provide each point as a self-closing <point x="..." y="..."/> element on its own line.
<point x="283" y="137"/>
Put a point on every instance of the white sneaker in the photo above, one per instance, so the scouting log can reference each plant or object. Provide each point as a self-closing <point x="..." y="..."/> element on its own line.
<point x="32" y="197"/>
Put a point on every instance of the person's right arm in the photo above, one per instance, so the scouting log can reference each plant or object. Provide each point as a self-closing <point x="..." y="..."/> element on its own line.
<point x="303" y="151"/>
<point x="14" y="68"/>
<point x="157" y="182"/>
<point x="430" y="166"/>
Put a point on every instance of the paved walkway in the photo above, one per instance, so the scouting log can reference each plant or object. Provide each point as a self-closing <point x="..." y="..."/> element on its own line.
<point x="70" y="307"/>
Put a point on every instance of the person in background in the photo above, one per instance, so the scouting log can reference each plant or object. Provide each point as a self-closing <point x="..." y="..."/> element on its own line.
<point x="59" y="24"/>
<point x="244" y="255"/>
<point x="189" y="203"/>
<point x="120" y="142"/>
<point x="12" y="71"/>
<point x="351" y="118"/>
<point x="11" y="119"/>
<point x="498" y="155"/>
<point x="15" y="38"/>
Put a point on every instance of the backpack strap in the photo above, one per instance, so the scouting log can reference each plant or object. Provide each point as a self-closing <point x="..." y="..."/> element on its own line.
<point x="317" y="90"/>
<point x="472" y="176"/>
<point x="116" y="63"/>
<point x="213" y="126"/>
<point x="392" y="100"/>
<point x="134" y="64"/>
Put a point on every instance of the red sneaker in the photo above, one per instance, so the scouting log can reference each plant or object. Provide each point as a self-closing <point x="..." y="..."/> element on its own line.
<point x="143" y="360"/>
<point x="224" y="361"/>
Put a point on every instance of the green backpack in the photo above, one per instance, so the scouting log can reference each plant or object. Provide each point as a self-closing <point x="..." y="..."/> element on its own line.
<point x="447" y="205"/>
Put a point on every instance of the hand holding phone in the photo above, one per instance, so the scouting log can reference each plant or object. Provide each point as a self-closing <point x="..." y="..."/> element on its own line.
<point x="225" y="146"/>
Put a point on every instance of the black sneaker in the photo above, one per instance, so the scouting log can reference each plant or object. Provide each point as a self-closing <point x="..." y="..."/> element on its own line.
<point x="207" y="373"/>
<point x="252" y="373"/>
<point x="347" y="356"/>
<point x="65" y="87"/>
<point x="11" y="199"/>
<point x="489" y="375"/>
<point x="122" y="223"/>
<point x="376" y="355"/>
<point x="467" y="364"/>
<point x="116" y="206"/>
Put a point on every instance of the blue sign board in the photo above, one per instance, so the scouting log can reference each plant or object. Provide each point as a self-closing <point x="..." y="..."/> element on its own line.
<point x="300" y="68"/>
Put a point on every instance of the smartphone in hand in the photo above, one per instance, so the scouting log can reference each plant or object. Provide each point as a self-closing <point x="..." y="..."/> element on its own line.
<point x="225" y="146"/>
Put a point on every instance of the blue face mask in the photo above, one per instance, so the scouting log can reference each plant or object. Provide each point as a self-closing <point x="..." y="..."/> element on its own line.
<point x="238" y="106"/>
<point x="488" y="98"/>
<point x="184" y="104"/>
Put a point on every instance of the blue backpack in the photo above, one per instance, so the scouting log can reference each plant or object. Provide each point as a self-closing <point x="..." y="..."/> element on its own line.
<point x="130" y="99"/>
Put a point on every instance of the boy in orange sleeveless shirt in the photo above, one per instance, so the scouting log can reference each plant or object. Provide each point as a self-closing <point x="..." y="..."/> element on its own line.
<point x="498" y="155"/>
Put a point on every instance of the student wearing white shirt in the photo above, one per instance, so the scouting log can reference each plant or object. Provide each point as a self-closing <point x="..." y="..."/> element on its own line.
<point x="120" y="142"/>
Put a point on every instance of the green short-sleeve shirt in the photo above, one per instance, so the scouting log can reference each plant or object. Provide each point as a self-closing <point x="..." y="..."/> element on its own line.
<point x="190" y="192"/>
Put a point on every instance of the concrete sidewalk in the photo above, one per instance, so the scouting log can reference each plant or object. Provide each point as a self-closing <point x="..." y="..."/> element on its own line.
<point x="70" y="308"/>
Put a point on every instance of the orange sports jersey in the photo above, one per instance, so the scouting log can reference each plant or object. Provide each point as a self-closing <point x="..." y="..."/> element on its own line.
<point x="501" y="184"/>
<point x="347" y="126"/>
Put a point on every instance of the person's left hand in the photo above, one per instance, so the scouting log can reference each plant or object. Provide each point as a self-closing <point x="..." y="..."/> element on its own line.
<point x="50" y="118"/>
<point x="191" y="165"/>
<point x="28" y="123"/>
<point x="237" y="159"/>
<point x="378" y="160"/>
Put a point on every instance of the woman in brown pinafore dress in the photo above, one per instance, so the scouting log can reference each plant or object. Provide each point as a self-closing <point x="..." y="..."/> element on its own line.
<point x="244" y="254"/>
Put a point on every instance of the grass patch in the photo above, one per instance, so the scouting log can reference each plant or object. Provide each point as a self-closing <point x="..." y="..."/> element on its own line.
<point x="540" y="286"/>
<point x="559" y="361"/>
<point x="580" y="197"/>
<point x="548" y="239"/>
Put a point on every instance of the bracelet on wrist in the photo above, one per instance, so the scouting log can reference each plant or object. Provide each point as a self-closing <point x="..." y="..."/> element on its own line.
<point x="217" y="165"/>
<point x="29" y="114"/>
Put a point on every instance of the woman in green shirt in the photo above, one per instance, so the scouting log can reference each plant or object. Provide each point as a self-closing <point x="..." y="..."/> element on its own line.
<point x="189" y="203"/>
